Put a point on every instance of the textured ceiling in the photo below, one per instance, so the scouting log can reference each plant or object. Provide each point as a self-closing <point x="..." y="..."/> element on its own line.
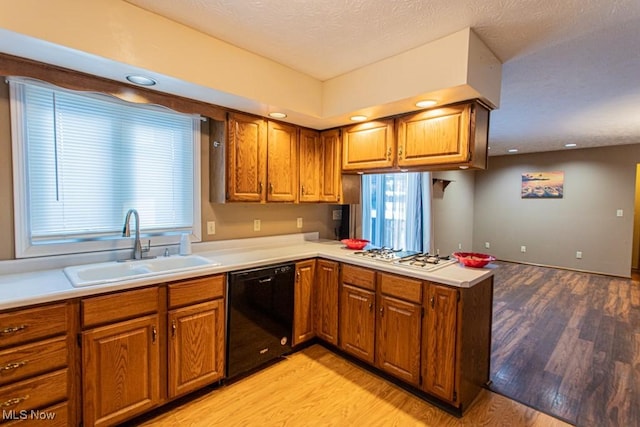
<point x="571" y="68"/>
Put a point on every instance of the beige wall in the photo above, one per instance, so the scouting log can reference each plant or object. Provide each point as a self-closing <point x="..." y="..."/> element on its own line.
<point x="233" y="221"/>
<point x="598" y="182"/>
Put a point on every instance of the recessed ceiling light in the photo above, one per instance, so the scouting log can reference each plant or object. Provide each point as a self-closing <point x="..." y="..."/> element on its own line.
<point x="512" y="150"/>
<point x="358" y="118"/>
<point x="463" y="167"/>
<point x="570" y="145"/>
<point x="426" y="103"/>
<point x="141" y="80"/>
<point x="277" y="115"/>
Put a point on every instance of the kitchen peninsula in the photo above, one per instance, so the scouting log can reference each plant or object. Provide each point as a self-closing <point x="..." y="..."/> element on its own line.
<point x="429" y="331"/>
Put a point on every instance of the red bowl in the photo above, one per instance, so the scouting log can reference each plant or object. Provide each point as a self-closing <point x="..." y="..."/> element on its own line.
<point x="355" y="243"/>
<point x="473" y="259"/>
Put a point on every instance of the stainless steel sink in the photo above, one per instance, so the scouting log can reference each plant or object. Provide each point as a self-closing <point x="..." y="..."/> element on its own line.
<point x="107" y="272"/>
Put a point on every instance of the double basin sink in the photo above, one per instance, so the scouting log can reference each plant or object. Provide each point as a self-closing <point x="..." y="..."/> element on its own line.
<point x="114" y="271"/>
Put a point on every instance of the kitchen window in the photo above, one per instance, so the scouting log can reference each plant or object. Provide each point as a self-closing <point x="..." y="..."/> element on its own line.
<point x="82" y="160"/>
<point x="396" y="210"/>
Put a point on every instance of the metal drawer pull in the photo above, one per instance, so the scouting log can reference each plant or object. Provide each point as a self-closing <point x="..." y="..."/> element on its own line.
<point x="173" y="329"/>
<point x="13" y="365"/>
<point x="154" y="334"/>
<point x="13" y="402"/>
<point x="13" y="329"/>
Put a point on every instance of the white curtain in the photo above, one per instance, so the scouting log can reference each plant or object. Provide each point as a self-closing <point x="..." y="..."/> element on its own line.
<point x="396" y="210"/>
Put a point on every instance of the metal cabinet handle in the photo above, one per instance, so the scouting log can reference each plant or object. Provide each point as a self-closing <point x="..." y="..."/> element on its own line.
<point x="154" y="334"/>
<point x="13" y="329"/>
<point x="389" y="153"/>
<point x="400" y="152"/>
<point x="14" y="401"/>
<point x="302" y="189"/>
<point x="271" y="187"/>
<point x="370" y="306"/>
<point x="432" y="301"/>
<point x="260" y="187"/>
<point x="297" y="276"/>
<point x="13" y="365"/>
<point x="173" y="328"/>
<point x="381" y="311"/>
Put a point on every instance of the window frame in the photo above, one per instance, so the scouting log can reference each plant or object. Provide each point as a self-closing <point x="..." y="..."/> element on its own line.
<point x="24" y="248"/>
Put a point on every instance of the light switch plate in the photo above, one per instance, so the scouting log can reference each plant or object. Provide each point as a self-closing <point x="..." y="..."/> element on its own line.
<point x="619" y="212"/>
<point x="299" y="223"/>
<point x="337" y="214"/>
<point x="256" y="225"/>
<point x="211" y="227"/>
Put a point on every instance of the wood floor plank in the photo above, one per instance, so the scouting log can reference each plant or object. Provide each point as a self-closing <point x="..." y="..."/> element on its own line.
<point x="566" y="343"/>
<point x="315" y="387"/>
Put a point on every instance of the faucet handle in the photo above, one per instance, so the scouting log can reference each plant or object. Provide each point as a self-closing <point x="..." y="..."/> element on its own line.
<point x="148" y="247"/>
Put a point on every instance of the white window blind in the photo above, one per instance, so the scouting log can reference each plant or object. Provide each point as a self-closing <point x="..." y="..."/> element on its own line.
<point x="88" y="158"/>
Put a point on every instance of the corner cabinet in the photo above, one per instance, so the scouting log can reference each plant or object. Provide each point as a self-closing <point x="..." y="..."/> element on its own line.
<point x="303" y="296"/>
<point x="326" y="312"/>
<point x="368" y="146"/>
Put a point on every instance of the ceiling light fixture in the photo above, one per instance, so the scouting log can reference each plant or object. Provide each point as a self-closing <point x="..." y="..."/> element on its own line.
<point x="570" y="145"/>
<point x="512" y="150"/>
<point x="277" y="115"/>
<point x="141" y="80"/>
<point x="463" y="167"/>
<point x="358" y="118"/>
<point x="426" y="103"/>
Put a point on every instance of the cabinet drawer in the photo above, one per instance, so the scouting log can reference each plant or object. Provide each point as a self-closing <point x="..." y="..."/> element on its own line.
<point x="27" y="325"/>
<point x="358" y="276"/>
<point x="401" y="287"/>
<point x="195" y="291"/>
<point x="32" y="359"/>
<point x="119" y="306"/>
<point x="35" y="393"/>
<point x="51" y="416"/>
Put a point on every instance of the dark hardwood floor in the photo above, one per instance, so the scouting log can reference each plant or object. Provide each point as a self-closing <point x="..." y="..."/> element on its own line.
<point x="568" y="344"/>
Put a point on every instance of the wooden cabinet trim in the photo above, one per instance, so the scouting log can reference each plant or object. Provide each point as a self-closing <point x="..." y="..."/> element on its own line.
<point x="194" y="291"/>
<point x="118" y="306"/>
<point x="29" y="324"/>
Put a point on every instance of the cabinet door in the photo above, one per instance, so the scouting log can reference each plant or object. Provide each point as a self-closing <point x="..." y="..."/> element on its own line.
<point x="399" y="338"/>
<point x="327" y="301"/>
<point x="431" y="137"/>
<point x="196" y="346"/>
<point x="440" y="337"/>
<point x="310" y="165"/>
<point x="357" y="322"/>
<point x="330" y="182"/>
<point x="282" y="163"/>
<point x="368" y="146"/>
<point x="246" y="158"/>
<point x="303" y="310"/>
<point x="121" y="375"/>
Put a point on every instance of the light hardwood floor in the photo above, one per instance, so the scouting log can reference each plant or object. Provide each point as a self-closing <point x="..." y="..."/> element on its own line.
<point x="316" y="387"/>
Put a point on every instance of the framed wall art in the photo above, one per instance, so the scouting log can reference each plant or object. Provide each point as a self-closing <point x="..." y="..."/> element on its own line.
<point x="542" y="185"/>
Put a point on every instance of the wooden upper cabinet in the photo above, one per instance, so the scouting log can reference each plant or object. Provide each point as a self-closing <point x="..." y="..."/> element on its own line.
<point x="282" y="163"/>
<point x="330" y="182"/>
<point x="453" y="136"/>
<point x="310" y="165"/>
<point x="246" y="158"/>
<point x="439" y="342"/>
<point x="369" y="145"/>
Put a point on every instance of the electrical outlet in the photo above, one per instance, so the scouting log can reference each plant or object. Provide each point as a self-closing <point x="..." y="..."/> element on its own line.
<point x="579" y="254"/>
<point x="459" y="246"/>
<point x="256" y="225"/>
<point x="619" y="212"/>
<point x="337" y="214"/>
<point x="299" y="223"/>
<point x="211" y="227"/>
<point x="487" y="245"/>
<point x="523" y="249"/>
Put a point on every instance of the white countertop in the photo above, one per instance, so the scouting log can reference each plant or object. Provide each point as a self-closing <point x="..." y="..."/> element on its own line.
<point x="27" y="282"/>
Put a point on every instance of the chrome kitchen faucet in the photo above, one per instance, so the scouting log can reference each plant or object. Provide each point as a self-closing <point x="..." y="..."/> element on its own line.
<point x="126" y="232"/>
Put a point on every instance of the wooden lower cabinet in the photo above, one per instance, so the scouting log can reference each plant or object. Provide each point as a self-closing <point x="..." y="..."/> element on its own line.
<point x="120" y="370"/>
<point x="303" y="307"/>
<point x="440" y="339"/>
<point x="398" y="342"/>
<point x="196" y="346"/>
<point x="327" y="300"/>
<point x="357" y="322"/>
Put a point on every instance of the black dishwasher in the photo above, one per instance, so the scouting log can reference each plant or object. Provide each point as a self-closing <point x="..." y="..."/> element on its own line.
<point x="259" y="316"/>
